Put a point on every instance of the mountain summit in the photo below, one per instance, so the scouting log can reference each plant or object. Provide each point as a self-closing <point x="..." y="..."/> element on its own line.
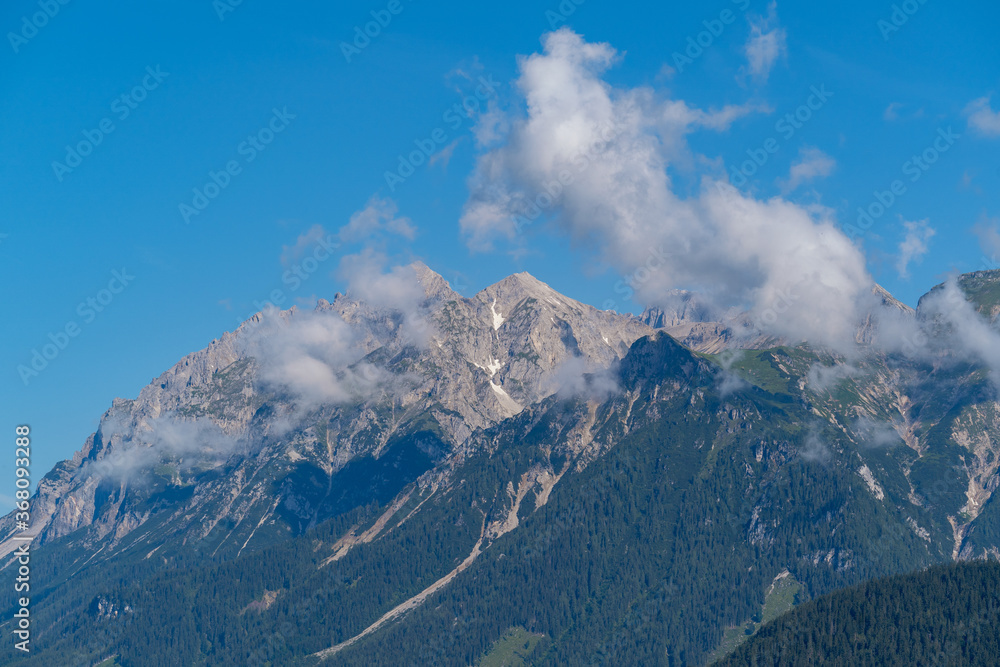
<point x="442" y="369"/>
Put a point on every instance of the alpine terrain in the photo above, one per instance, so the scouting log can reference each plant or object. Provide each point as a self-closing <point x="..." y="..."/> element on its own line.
<point x="512" y="478"/>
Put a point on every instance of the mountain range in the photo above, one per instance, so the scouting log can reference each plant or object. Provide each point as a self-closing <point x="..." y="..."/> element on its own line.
<point x="417" y="477"/>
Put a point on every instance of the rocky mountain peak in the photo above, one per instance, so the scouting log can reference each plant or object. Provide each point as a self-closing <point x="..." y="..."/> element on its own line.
<point x="433" y="284"/>
<point x="523" y="283"/>
<point x="888" y="300"/>
<point x="679" y="307"/>
<point x="506" y="295"/>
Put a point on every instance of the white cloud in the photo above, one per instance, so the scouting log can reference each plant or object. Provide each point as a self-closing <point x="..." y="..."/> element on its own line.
<point x="873" y="433"/>
<point x="317" y="358"/>
<point x="814" y="449"/>
<point x="291" y="254"/>
<point x="576" y="378"/>
<point x="679" y="119"/>
<point x="791" y="266"/>
<point x="913" y="246"/>
<point x="988" y="232"/>
<point x="947" y="329"/>
<point x="824" y="378"/>
<point x="969" y="333"/>
<point x="183" y="443"/>
<point x="982" y="118"/>
<point x="894" y="112"/>
<point x="395" y="289"/>
<point x="491" y="125"/>
<point x="378" y="216"/>
<point x="727" y="381"/>
<point x="313" y="357"/>
<point x="812" y="163"/>
<point x="444" y="155"/>
<point x="765" y="45"/>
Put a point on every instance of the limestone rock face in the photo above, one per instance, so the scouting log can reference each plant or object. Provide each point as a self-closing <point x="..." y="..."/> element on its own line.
<point x="697" y="324"/>
<point x="247" y="452"/>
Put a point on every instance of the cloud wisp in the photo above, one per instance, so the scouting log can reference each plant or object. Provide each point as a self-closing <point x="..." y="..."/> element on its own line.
<point x="966" y="334"/>
<point x="315" y="359"/>
<point x="576" y="378"/>
<point x="183" y="444"/>
<point x="982" y="118"/>
<point x="379" y="216"/>
<point x="767" y="43"/>
<point x="913" y="247"/>
<point x="822" y="379"/>
<point x="812" y="164"/>
<point x="988" y="233"/>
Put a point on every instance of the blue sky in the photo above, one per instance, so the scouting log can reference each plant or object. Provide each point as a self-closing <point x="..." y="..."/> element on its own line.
<point x="203" y="81"/>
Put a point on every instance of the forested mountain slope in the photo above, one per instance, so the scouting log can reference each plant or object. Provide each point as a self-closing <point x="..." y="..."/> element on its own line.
<point x="945" y="615"/>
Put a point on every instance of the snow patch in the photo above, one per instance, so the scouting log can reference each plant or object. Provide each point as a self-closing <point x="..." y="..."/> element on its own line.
<point x="497" y="317"/>
<point x="491" y="367"/>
